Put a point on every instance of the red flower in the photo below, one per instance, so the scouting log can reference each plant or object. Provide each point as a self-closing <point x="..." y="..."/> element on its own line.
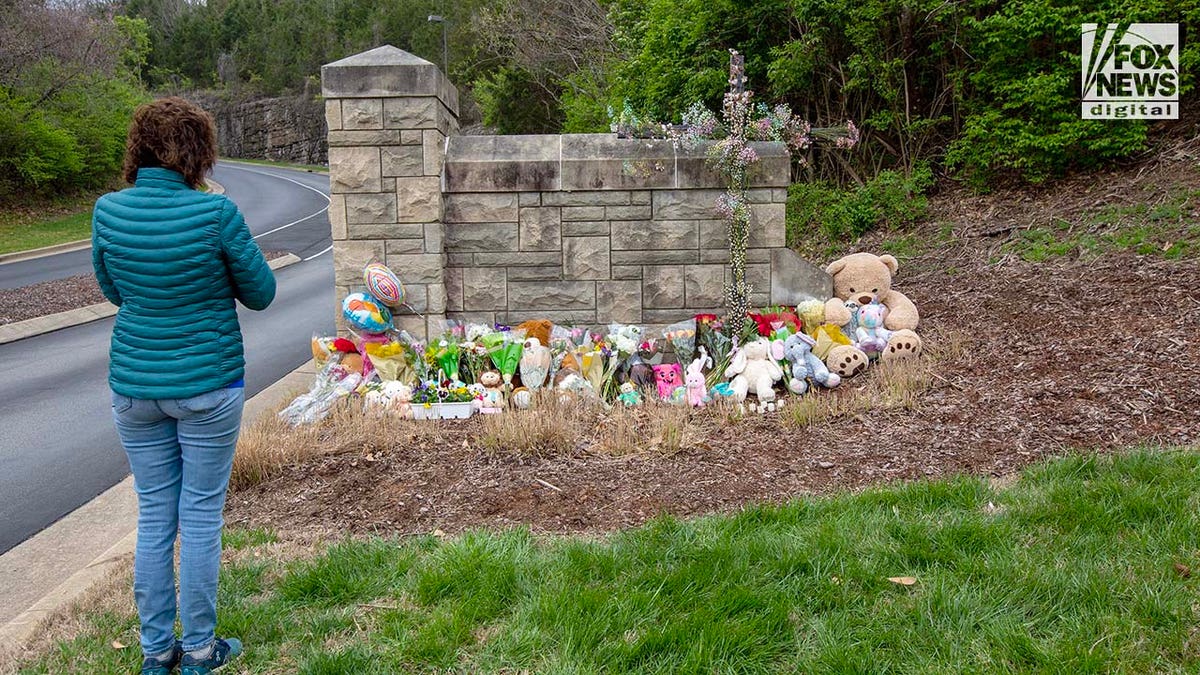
<point x="345" y="346"/>
<point x="763" y="322"/>
<point x="705" y="318"/>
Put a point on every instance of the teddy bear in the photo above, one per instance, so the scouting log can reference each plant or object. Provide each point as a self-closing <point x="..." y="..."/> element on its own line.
<point x="861" y="279"/>
<point x="493" y="395"/>
<point x="755" y="369"/>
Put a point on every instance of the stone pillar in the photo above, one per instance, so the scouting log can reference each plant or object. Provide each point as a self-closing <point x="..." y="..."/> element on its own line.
<point x="389" y="114"/>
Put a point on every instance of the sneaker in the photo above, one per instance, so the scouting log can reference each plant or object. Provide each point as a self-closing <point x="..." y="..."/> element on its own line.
<point x="223" y="650"/>
<point x="153" y="666"/>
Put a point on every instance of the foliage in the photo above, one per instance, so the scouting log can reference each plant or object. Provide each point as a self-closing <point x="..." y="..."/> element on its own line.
<point x="65" y="105"/>
<point x="1083" y="565"/>
<point x="890" y="200"/>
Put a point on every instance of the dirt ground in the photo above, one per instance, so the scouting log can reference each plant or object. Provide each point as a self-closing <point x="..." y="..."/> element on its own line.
<point x="1066" y="355"/>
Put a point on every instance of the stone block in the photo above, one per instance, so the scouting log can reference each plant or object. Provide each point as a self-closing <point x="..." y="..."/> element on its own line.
<point x="484" y="289"/>
<point x="664" y="317"/>
<point x="758" y="255"/>
<point x="416" y="296"/>
<point x="418" y="112"/>
<point x="365" y="138"/>
<point x="541" y="229"/>
<point x="337" y="217"/>
<point x="759" y="195"/>
<point x="585" y="258"/>
<point x="640" y="212"/>
<point x="549" y="295"/>
<point x="402" y="160"/>
<point x="454" y="289"/>
<point x="418" y="200"/>
<point x="362" y="113"/>
<point x="349" y="258"/>
<point x="586" y="198"/>
<point x="626" y="271"/>
<point x="546" y="273"/>
<point x="354" y="170"/>
<point x="482" y="237"/>
<point x="702" y="285"/>
<point x="529" y="199"/>
<point x="779" y="195"/>
<point x="521" y="259"/>
<point x="655" y="257"/>
<point x="662" y="286"/>
<point x="404" y="246"/>
<point x="486" y="318"/>
<point x="333" y="114"/>
<point x="563" y="317"/>
<point x="437" y="299"/>
<point x="502" y="163"/>
<point x="619" y="301"/>
<point x="583" y="213"/>
<point x="682" y="204"/>
<point x="434" y="235"/>
<point x="647" y="235"/>
<point x="411" y="137"/>
<point x="420" y="268"/>
<point x="794" y="279"/>
<point x="768" y="226"/>
<point x="640" y="197"/>
<point x="386" y="71"/>
<point x="495" y="207"/>
<point x="601" y="161"/>
<point x="379" y="207"/>
<point x="773" y="167"/>
<point x="459" y="259"/>
<point x="714" y="255"/>
<point x="585" y="228"/>
<point x="433" y="143"/>
<point x="386" y="231"/>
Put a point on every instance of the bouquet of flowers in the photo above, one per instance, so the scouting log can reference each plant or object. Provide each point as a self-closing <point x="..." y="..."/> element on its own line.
<point x="682" y="337"/>
<point x="710" y="333"/>
<point x="504" y="347"/>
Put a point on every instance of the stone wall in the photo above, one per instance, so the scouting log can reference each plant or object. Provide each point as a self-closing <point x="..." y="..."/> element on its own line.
<point x="583" y="228"/>
<point x="286" y="129"/>
<point x="591" y="228"/>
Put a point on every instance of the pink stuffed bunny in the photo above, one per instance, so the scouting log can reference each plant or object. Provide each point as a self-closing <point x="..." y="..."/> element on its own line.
<point x="697" y="393"/>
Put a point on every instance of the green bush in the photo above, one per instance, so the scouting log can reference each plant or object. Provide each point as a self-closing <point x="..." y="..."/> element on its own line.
<point x="837" y="214"/>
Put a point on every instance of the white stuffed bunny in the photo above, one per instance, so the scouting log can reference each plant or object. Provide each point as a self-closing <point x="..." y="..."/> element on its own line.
<point x="755" y="369"/>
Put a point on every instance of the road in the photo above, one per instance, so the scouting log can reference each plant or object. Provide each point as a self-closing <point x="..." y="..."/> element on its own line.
<point x="58" y="448"/>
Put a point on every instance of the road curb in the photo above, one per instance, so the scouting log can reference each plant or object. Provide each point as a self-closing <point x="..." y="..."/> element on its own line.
<point x="115" y="509"/>
<point x="35" y="253"/>
<point x="39" y="325"/>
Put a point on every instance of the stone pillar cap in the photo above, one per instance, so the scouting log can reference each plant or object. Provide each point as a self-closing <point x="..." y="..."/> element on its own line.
<point x="386" y="71"/>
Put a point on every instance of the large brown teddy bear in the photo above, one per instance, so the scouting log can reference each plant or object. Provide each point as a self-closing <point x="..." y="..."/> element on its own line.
<point x="863" y="278"/>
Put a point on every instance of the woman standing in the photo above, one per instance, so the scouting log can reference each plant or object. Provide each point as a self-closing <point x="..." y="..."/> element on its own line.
<point x="175" y="260"/>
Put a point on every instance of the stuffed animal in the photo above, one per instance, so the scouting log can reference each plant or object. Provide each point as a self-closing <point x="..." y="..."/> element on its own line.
<point x="755" y="369"/>
<point x="697" y="392"/>
<point x="493" y="395"/>
<point x="805" y="365"/>
<point x="871" y="336"/>
<point x="669" y="377"/>
<point x="864" y="278"/>
<point x="392" y="397"/>
<point x="522" y="398"/>
<point x="539" y="329"/>
<point x="635" y="369"/>
<point x="629" y="395"/>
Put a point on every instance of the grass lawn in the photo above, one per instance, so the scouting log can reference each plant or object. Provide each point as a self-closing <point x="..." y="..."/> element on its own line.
<point x="1080" y="566"/>
<point x="21" y="230"/>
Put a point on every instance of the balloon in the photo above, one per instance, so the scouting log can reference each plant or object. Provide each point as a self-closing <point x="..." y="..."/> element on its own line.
<point x="363" y="312"/>
<point x="383" y="285"/>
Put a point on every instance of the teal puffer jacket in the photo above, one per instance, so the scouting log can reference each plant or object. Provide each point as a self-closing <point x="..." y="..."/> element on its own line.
<point x="174" y="260"/>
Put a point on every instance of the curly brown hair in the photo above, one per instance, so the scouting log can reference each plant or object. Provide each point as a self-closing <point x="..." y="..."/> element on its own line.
<point x="172" y="133"/>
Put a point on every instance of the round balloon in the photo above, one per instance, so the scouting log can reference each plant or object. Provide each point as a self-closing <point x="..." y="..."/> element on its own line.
<point x="382" y="283"/>
<point x="363" y="312"/>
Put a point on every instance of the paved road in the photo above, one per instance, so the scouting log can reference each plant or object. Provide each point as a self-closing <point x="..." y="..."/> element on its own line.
<point x="293" y="220"/>
<point x="58" y="448"/>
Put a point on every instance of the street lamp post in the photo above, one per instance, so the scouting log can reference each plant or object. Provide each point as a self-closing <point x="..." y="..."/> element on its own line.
<point x="437" y="18"/>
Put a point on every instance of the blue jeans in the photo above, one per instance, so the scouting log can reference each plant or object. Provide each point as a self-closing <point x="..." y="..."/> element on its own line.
<point x="181" y="452"/>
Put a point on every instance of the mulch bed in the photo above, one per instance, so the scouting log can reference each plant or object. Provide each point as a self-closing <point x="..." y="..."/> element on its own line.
<point x="1062" y="356"/>
<point x="58" y="295"/>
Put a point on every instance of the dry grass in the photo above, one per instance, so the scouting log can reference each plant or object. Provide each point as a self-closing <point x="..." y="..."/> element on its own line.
<point x="896" y="385"/>
<point x="557" y="424"/>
